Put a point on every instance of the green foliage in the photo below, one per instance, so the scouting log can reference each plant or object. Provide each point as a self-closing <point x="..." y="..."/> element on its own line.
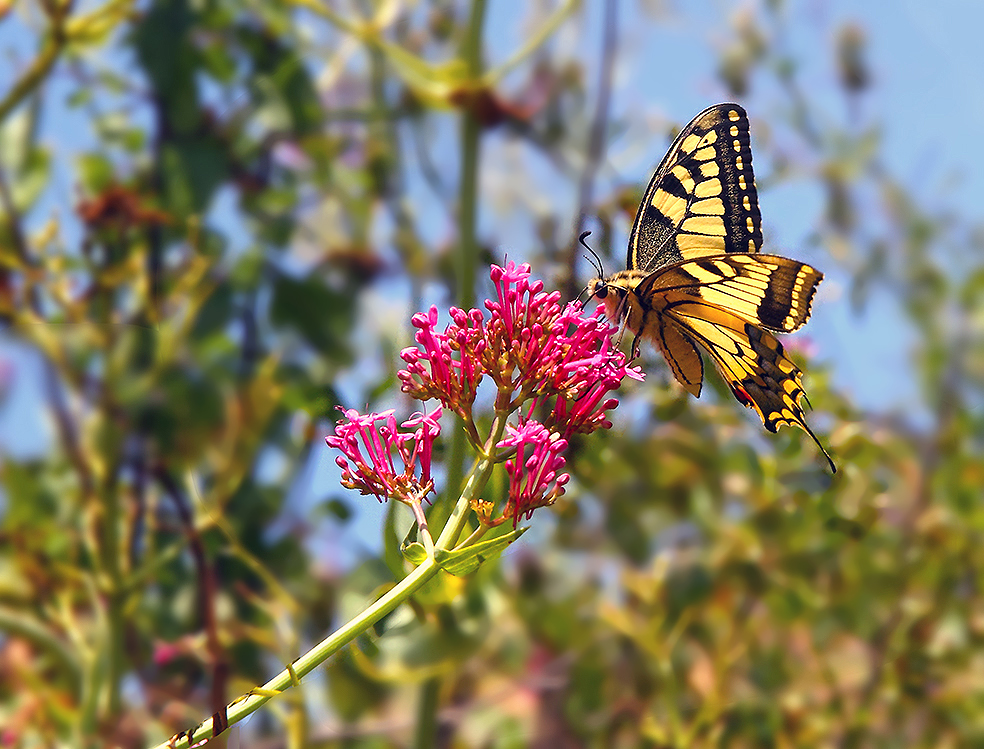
<point x="260" y="182"/>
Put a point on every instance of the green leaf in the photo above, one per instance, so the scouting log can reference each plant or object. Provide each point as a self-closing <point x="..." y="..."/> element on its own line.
<point x="411" y="548"/>
<point x="465" y="561"/>
<point x="320" y="314"/>
<point x="415" y="552"/>
<point x="338" y="509"/>
<point x="194" y="168"/>
<point x="216" y="313"/>
<point x="32" y="178"/>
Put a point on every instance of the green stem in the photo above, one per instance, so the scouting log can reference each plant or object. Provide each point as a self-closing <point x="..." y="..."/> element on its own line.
<point x="401" y="592"/>
<point x="471" y="53"/>
<point x="256" y="698"/>
<point x="422" y="528"/>
<point x="425" y="733"/>
<point x="475" y="536"/>
<point x="111" y="552"/>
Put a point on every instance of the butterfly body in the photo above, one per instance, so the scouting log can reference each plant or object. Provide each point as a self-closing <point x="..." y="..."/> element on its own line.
<point x="696" y="279"/>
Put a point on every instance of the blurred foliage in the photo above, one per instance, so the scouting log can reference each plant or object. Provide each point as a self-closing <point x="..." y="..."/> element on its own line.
<point x="252" y="174"/>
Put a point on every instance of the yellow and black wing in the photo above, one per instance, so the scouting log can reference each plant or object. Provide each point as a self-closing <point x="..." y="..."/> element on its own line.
<point x="769" y="291"/>
<point x="696" y="278"/>
<point x="702" y="199"/>
<point x="724" y="304"/>
<point x="750" y="360"/>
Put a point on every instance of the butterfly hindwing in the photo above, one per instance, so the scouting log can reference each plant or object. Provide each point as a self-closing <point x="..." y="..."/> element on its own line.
<point x="767" y="290"/>
<point x="702" y="198"/>
<point x="751" y="361"/>
<point x="682" y="354"/>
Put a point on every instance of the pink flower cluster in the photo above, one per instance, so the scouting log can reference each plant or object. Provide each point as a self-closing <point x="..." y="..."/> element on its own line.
<point x="534" y="472"/>
<point x="530" y="347"/>
<point x="542" y="358"/>
<point x="375" y="472"/>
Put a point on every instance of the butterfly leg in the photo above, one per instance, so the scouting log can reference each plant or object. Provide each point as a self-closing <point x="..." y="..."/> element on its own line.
<point x="635" y="341"/>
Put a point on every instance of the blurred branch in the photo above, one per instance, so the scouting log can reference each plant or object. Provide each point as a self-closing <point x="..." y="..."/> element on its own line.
<point x="38" y="70"/>
<point x="17" y="236"/>
<point x="62" y="31"/>
<point x="533" y="43"/>
<point x="596" y="142"/>
<point x="425" y="729"/>
<point x="237" y="549"/>
<point x="111" y="553"/>
<point x="427" y="168"/>
<point x="67" y="429"/>
<point x="17" y="624"/>
<point x="208" y="589"/>
<point x="436" y="83"/>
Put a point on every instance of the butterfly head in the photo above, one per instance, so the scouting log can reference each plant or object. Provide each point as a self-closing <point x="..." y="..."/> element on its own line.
<point x="608" y="293"/>
<point x="616" y="293"/>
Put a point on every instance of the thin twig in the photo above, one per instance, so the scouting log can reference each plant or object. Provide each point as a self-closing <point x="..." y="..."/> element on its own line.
<point x="18" y="237"/>
<point x="207" y="589"/>
<point x="39" y="69"/>
<point x="596" y="143"/>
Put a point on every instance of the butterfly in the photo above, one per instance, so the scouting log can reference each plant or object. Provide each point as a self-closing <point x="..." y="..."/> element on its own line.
<point x="695" y="278"/>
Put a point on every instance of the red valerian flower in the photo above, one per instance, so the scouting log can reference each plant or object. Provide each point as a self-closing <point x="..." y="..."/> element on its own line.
<point x="534" y="472"/>
<point x="543" y="358"/>
<point x="530" y="347"/>
<point x="433" y="372"/>
<point x="374" y="471"/>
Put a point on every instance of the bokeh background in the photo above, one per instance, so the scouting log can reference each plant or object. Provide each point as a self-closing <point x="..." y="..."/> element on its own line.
<point x="216" y="218"/>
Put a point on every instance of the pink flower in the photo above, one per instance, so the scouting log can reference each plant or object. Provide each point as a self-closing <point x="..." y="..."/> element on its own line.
<point x="165" y="652"/>
<point x="542" y="357"/>
<point x="534" y="472"/>
<point x="433" y="372"/>
<point x="590" y="368"/>
<point x="530" y="347"/>
<point x="370" y="449"/>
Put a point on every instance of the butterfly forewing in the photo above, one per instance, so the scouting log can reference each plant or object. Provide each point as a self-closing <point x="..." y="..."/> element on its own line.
<point x="702" y="198"/>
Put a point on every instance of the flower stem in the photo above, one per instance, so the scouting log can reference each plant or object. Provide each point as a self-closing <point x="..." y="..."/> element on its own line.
<point x="401" y="592"/>
<point x="475" y="536"/>
<point x="256" y="698"/>
<point x="425" y="731"/>
<point x="424" y="530"/>
<point x="471" y="52"/>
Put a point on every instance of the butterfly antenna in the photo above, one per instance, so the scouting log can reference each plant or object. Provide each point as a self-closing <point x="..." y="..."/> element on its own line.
<point x="595" y="263"/>
<point x="594" y="259"/>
